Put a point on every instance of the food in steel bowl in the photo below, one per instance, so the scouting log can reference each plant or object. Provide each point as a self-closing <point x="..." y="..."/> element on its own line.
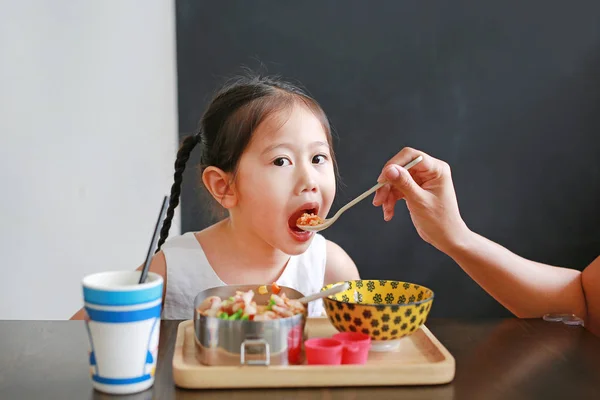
<point x="243" y="307"/>
<point x="260" y="339"/>
<point x="386" y="310"/>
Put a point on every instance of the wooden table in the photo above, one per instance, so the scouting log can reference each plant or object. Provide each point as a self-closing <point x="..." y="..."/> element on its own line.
<point x="495" y="359"/>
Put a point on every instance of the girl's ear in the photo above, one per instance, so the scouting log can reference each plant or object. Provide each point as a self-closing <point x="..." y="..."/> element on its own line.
<point x="218" y="184"/>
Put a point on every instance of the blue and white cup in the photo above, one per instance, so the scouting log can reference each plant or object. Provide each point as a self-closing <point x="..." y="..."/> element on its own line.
<point x="123" y="325"/>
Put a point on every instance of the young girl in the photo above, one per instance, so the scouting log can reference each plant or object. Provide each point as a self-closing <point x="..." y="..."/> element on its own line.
<point x="266" y="157"/>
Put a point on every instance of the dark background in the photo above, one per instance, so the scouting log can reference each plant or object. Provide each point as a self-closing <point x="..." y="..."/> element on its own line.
<point x="507" y="92"/>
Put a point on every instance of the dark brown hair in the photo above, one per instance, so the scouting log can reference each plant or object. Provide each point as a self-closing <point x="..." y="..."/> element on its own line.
<point x="228" y="124"/>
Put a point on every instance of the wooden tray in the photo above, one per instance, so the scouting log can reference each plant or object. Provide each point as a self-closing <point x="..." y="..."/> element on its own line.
<point x="419" y="360"/>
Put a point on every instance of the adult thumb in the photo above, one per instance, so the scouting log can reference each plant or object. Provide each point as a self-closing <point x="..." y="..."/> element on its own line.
<point x="402" y="180"/>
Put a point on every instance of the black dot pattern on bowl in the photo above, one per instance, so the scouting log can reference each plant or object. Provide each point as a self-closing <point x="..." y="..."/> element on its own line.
<point x="370" y="286"/>
<point x="388" y="315"/>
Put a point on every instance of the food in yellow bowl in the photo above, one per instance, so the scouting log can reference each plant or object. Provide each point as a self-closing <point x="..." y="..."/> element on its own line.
<point x="385" y="310"/>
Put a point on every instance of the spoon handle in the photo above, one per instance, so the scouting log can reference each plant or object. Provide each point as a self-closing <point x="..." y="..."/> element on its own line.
<point x="332" y="290"/>
<point x="359" y="198"/>
<point x="373" y="189"/>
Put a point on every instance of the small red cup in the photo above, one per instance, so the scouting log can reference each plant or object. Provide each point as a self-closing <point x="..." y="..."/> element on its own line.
<point x="323" y="351"/>
<point x="356" y="347"/>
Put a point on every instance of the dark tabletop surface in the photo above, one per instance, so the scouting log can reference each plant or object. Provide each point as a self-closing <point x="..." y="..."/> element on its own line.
<point x="495" y="359"/>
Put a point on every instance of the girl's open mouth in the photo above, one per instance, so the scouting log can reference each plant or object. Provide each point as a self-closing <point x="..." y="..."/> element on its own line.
<point x="297" y="233"/>
<point x="294" y="217"/>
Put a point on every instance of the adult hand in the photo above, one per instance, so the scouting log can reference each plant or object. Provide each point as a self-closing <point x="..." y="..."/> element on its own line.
<point x="429" y="193"/>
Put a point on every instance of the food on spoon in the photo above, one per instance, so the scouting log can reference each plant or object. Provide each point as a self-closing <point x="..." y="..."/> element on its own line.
<point x="241" y="306"/>
<point x="309" y="219"/>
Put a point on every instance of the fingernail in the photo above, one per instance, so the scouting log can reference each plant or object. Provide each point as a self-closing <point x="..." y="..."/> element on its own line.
<point x="392" y="172"/>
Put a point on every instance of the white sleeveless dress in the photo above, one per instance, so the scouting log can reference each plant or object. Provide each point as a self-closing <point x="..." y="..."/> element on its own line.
<point x="189" y="272"/>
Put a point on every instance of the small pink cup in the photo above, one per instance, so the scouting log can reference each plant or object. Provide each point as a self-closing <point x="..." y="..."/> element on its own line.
<point x="323" y="351"/>
<point x="356" y="347"/>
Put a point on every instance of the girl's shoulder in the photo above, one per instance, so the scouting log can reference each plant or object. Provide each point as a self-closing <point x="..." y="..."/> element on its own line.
<point x="186" y="240"/>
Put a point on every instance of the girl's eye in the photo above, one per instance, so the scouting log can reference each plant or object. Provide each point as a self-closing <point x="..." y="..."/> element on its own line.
<point x="319" y="159"/>
<point x="281" y="162"/>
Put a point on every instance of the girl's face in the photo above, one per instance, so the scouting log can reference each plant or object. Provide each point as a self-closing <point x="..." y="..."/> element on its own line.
<point x="286" y="170"/>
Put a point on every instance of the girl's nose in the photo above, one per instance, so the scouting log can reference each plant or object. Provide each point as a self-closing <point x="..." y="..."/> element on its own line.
<point x="307" y="181"/>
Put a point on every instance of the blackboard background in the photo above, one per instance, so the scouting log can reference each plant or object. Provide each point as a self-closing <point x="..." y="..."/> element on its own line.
<point x="507" y="92"/>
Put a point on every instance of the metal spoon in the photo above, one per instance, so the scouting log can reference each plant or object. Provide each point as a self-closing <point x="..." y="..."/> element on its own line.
<point x="329" y="221"/>
<point x="332" y="290"/>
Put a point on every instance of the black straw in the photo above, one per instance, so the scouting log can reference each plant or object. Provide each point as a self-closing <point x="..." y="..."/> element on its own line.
<point x="161" y="215"/>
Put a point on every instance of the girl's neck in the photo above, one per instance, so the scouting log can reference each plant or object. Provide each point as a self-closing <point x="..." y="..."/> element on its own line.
<point x="236" y="253"/>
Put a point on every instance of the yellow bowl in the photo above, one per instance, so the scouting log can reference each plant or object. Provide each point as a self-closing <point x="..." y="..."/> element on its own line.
<point x="385" y="310"/>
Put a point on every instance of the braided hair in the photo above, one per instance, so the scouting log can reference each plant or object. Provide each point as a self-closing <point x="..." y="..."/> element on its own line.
<point x="188" y="144"/>
<point x="227" y="126"/>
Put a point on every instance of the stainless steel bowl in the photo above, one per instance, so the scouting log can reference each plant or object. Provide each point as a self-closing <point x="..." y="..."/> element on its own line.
<point x="225" y="342"/>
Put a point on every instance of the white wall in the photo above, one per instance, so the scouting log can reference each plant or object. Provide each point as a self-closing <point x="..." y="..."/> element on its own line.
<point x="88" y="136"/>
